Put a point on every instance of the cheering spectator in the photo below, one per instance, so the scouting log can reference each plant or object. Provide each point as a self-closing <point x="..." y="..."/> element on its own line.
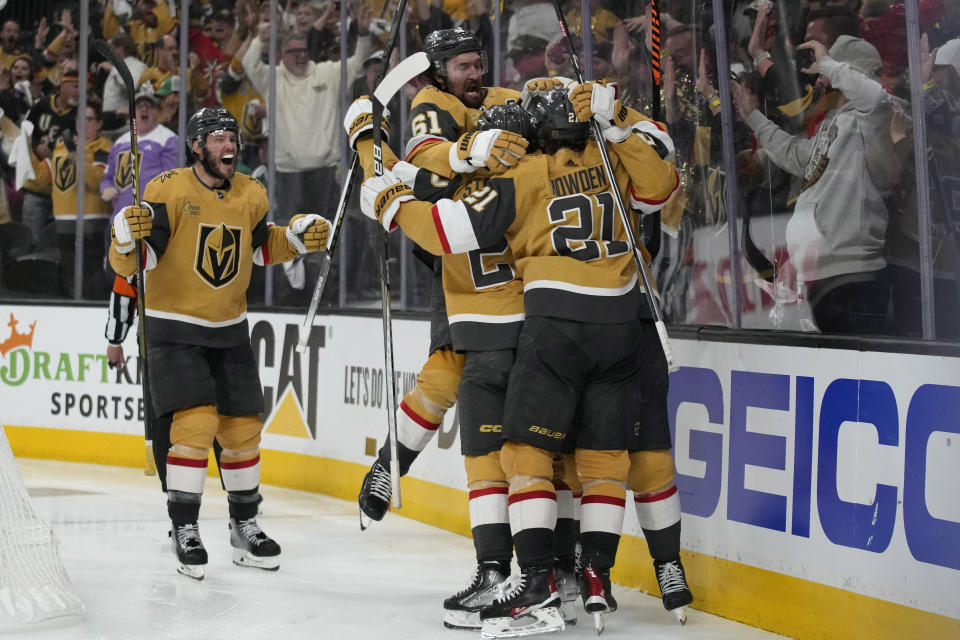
<point x="158" y="153"/>
<point x="167" y="65"/>
<point x="96" y="214"/>
<point x="50" y="118"/>
<point x="10" y="43"/>
<point x="116" y="103"/>
<point x="835" y="236"/>
<point x="307" y="99"/>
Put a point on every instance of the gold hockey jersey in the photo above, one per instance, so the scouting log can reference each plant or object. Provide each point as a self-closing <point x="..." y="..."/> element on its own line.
<point x="64" y="179"/>
<point x="559" y="217"/>
<point x="200" y="254"/>
<point x="484" y="297"/>
<point x="437" y="119"/>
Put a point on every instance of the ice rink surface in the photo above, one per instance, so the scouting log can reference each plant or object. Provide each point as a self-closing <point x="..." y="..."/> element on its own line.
<point x="334" y="582"/>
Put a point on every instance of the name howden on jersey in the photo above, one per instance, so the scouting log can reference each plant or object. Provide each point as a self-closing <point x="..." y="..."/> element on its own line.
<point x="587" y="180"/>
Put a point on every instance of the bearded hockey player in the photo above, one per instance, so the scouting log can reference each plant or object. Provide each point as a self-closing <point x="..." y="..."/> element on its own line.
<point x="443" y="116"/>
<point x="203" y="228"/>
<point x="579" y="352"/>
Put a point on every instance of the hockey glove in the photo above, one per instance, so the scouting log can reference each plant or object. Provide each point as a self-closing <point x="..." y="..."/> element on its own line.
<point x="308" y="232"/>
<point x="653" y="135"/>
<point x="542" y="84"/>
<point x="359" y="120"/>
<point x="599" y="101"/>
<point x="381" y="196"/>
<point x="130" y="224"/>
<point x="495" y="149"/>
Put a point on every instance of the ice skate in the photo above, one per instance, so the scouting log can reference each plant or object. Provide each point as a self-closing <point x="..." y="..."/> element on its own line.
<point x="252" y="547"/>
<point x="191" y="554"/>
<point x="596" y="593"/>
<point x="568" y="590"/>
<point x="529" y="606"/>
<point x="673" y="588"/>
<point x="375" y="494"/>
<point x="462" y="610"/>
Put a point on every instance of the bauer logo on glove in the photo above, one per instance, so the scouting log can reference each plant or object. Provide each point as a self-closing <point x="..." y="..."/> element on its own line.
<point x="359" y="120"/>
<point x="381" y="196"/>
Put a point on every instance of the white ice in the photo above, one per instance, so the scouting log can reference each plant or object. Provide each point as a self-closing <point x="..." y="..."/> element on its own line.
<point x="334" y="582"/>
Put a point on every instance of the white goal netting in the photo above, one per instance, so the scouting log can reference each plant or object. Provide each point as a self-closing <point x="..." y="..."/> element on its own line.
<point x="34" y="585"/>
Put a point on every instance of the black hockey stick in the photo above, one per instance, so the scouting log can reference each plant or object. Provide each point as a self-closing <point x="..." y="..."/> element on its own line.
<point x="114" y="58"/>
<point x="653" y="230"/>
<point x="387" y="85"/>
<point x="391" y="384"/>
<point x="645" y="276"/>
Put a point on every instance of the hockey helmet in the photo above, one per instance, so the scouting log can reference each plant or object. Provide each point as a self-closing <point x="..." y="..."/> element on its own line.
<point x="210" y="120"/>
<point x="443" y="44"/>
<point x="555" y="121"/>
<point x="509" y="116"/>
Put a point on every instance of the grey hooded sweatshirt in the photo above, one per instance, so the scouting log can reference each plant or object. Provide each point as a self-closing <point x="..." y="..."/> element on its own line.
<point x="848" y="168"/>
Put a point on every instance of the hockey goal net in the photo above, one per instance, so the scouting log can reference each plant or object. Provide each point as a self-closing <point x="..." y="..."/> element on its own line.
<point x="34" y="585"/>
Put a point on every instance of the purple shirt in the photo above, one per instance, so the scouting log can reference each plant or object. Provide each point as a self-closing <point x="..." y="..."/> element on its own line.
<point x="158" y="153"/>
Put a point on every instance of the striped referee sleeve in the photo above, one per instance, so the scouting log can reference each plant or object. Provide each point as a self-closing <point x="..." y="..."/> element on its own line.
<point x="122" y="306"/>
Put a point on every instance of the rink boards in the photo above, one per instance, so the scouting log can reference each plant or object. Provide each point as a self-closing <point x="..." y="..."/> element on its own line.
<point x="799" y="514"/>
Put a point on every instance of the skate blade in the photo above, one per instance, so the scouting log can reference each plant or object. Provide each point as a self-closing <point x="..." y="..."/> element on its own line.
<point x="538" y="621"/>
<point x="568" y="608"/>
<point x="194" y="571"/>
<point x="242" y="558"/>
<point x="462" y="620"/>
<point x="681" y="614"/>
<point x="598" y="622"/>
<point x="596" y="604"/>
<point x="365" y="521"/>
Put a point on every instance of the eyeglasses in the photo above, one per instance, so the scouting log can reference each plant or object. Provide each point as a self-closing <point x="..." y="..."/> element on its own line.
<point x="297" y="52"/>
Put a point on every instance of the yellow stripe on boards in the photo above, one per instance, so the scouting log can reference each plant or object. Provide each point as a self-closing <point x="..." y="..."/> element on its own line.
<point x="764" y="599"/>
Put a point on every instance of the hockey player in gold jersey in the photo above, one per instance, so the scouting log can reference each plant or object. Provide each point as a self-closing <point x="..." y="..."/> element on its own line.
<point x="477" y="308"/>
<point x="203" y="229"/>
<point x="578" y="359"/>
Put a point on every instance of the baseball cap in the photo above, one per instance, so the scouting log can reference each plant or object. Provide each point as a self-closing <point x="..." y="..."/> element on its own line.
<point x="949" y="55"/>
<point x="146" y="92"/>
<point x="168" y="86"/>
<point x="376" y="56"/>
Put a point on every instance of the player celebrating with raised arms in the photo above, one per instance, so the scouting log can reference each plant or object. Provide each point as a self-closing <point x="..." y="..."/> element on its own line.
<point x="203" y="229"/>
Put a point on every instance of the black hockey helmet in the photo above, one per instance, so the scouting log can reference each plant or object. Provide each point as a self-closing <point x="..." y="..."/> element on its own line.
<point x="209" y="120"/>
<point x="443" y="44"/>
<point x="555" y="121"/>
<point x="509" y="116"/>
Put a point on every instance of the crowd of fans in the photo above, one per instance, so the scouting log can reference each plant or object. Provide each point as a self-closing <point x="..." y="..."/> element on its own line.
<point x="823" y="134"/>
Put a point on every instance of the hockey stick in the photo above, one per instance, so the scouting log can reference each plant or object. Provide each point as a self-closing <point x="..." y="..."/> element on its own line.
<point x="114" y="58"/>
<point x="645" y="276"/>
<point x="387" y="86"/>
<point x="378" y="106"/>
<point x="653" y="239"/>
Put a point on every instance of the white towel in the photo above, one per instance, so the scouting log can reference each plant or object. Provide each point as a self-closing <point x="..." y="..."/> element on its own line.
<point x="20" y="155"/>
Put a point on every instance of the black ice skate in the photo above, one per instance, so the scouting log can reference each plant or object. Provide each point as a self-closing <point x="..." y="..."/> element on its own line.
<point x="462" y="610"/>
<point x="191" y="554"/>
<point x="568" y="590"/>
<point x="375" y="494"/>
<point x="673" y="587"/>
<point x="596" y="593"/>
<point x="530" y="605"/>
<point x="252" y="547"/>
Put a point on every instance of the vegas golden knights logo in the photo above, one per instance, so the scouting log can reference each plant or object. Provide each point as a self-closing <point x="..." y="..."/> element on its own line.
<point x="218" y="254"/>
<point x="124" y="176"/>
<point x="64" y="173"/>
